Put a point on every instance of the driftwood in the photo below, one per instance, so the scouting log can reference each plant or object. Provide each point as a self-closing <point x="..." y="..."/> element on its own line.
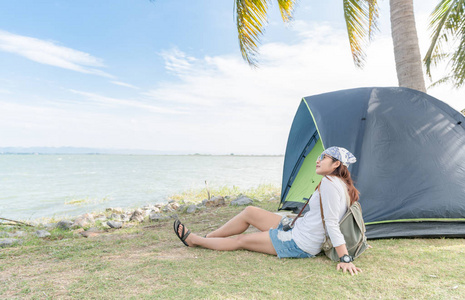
<point x="17" y="222"/>
<point x="208" y="192"/>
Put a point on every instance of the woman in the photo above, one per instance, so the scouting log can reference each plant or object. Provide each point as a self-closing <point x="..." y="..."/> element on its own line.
<point x="306" y="237"/>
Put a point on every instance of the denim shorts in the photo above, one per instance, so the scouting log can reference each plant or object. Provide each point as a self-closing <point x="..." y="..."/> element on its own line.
<point x="284" y="244"/>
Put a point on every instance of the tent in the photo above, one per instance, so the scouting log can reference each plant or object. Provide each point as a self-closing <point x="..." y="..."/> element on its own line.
<point x="411" y="158"/>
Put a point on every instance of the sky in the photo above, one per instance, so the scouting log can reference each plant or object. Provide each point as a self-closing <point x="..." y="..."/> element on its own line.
<point x="168" y="76"/>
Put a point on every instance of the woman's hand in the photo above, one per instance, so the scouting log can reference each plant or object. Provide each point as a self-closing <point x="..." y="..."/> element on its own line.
<point x="348" y="267"/>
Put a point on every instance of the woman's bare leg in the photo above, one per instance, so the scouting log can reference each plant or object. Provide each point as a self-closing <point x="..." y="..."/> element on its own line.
<point x="251" y="215"/>
<point x="258" y="242"/>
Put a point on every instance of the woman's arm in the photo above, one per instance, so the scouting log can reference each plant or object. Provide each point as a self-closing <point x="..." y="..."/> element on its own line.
<point x="350" y="267"/>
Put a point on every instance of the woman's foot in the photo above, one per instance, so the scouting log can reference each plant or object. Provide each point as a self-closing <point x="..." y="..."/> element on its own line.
<point x="183" y="233"/>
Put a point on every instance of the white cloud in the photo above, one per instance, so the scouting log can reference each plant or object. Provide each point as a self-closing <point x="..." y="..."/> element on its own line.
<point x="177" y="61"/>
<point x="125" y="84"/>
<point x="46" y="52"/>
<point x="118" y="103"/>
<point x="250" y="110"/>
<point x="218" y="104"/>
<point x="245" y="110"/>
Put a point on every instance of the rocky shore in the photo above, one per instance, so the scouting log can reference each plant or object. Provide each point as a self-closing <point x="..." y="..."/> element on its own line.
<point x="114" y="218"/>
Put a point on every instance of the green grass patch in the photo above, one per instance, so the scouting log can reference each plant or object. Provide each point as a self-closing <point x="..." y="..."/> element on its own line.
<point x="149" y="262"/>
<point x="259" y="193"/>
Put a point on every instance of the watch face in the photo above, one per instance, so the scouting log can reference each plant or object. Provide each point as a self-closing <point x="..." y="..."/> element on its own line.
<point x="346" y="258"/>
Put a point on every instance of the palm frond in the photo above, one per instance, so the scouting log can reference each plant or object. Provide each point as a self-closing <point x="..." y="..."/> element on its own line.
<point x="439" y="17"/>
<point x="439" y="82"/>
<point x="286" y="8"/>
<point x="448" y="24"/>
<point x="361" y="18"/>
<point x="373" y="15"/>
<point x="458" y="64"/>
<point x="251" y="19"/>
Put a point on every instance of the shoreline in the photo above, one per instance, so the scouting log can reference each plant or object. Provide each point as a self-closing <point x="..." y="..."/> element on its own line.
<point x="181" y="201"/>
<point x="111" y="220"/>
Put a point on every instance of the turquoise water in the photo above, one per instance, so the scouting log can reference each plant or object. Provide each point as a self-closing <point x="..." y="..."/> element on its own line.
<point x="36" y="186"/>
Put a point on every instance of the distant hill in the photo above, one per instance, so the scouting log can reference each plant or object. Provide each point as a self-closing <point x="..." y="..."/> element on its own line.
<point x="77" y="150"/>
<point x="81" y="150"/>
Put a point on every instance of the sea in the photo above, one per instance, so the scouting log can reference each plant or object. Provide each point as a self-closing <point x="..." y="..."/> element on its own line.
<point x="53" y="186"/>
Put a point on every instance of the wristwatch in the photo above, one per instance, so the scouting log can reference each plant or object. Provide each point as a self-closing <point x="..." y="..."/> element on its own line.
<point x="346" y="258"/>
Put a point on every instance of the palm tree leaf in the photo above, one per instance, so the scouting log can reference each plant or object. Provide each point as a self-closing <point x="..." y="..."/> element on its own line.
<point x="448" y="24"/>
<point x="458" y="65"/>
<point x="286" y="8"/>
<point x="251" y="18"/>
<point x="439" y="18"/>
<point x="373" y="16"/>
<point x="361" y="21"/>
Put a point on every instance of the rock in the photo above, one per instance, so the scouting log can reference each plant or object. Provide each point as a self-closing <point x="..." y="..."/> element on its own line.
<point x="101" y="218"/>
<point x="155" y="210"/>
<point x="117" y="210"/>
<point x="64" y="224"/>
<point x="50" y="225"/>
<point x="35" y="223"/>
<point x="124" y="218"/>
<point x="94" y="229"/>
<point x="115" y="217"/>
<point x="42" y="233"/>
<point x="191" y="209"/>
<point x="215" y="201"/>
<point x="88" y="234"/>
<point x="91" y="232"/>
<point x="8" y="242"/>
<point x="167" y="208"/>
<point x="18" y="234"/>
<point x="174" y="206"/>
<point x="155" y="217"/>
<point x="83" y="221"/>
<point x="115" y="224"/>
<point x="78" y="231"/>
<point x="148" y="207"/>
<point x="138" y="216"/>
<point x="242" y="200"/>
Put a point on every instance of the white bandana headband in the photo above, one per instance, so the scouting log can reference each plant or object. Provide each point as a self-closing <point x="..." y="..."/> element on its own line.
<point x="341" y="154"/>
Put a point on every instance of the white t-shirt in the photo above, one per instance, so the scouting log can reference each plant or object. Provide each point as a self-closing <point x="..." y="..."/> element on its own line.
<point x="308" y="232"/>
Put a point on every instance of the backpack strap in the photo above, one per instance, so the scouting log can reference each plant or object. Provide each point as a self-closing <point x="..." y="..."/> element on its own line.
<point x="300" y="212"/>
<point x="321" y="212"/>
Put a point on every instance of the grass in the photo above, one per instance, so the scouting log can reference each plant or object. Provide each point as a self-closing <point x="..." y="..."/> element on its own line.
<point x="148" y="261"/>
<point x="260" y="193"/>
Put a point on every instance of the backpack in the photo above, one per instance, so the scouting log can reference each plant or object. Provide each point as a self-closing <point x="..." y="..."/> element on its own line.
<point x="352" y="228"/>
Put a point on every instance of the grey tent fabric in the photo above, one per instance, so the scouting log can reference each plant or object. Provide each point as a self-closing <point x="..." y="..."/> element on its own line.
<point x="411" y="157"/>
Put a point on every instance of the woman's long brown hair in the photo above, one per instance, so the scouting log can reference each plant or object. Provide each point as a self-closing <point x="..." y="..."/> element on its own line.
<point x="343" y="173"/>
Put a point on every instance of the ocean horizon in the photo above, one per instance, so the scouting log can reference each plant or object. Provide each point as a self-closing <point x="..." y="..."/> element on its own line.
<point x="110" y="151"/>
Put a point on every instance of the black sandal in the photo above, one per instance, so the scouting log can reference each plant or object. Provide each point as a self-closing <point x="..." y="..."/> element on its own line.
<point x="184" y="234"/>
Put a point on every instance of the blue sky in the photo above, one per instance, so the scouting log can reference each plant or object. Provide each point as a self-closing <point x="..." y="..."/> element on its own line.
<point x="168" y="75"/>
